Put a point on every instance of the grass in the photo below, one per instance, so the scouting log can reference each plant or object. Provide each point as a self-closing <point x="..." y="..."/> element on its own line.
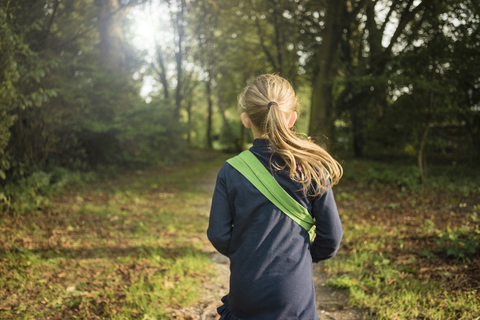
<point x="409" y="251"/>
<point x="127" y="247"/>
<point x="133" y="247"/>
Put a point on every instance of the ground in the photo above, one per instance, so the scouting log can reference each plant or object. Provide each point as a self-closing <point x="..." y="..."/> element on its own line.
<point x="134" y="246"/>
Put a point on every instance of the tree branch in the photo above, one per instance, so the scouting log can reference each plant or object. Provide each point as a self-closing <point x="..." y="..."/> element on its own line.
<point x="389" y="14"/>
<point x="262" y="41"/>
<point x="179" y="57"/>
<point x="51" y="19"/>
<point x="91" y="28"/>
<point x="120" y="8"/>
<point x="162" y="73"/>
<point x="279" y="42"/>
<point x="406" y="17"/>
<point x="356" y="10"/>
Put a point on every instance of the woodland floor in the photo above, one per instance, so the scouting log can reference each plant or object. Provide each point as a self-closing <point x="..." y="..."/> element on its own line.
<point x="414" y="212"/>
<point x="81" y="258"/>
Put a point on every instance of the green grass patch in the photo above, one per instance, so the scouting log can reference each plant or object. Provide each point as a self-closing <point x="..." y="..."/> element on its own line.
<point x="409" y="251"/>
<point x="390" y="291"/>
<point x="454" y="178"/>
<point x="131" y="246"/>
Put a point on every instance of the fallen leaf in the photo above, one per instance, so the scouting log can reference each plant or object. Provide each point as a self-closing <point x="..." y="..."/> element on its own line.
<point x="168" y="284"/>
<point x="178" y="313"/>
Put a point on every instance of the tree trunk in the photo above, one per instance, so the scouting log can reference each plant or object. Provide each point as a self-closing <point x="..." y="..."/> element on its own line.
<point x="210" y="111"/>
<point x="320" y="110"/>
<point x="421" y="149"/>
<point x="474" y="126"/>
<point x="221" y="106"/>
<point x="421" y="154"/>
<point x="241" y="142"/>
<point x="321" y="104"/>
<point x="357" y="132"/>
<point x="378" y="59"/>
<point x="162" y="73"/>
<point x="111" y="33"/>
<point x="189" y="115"/>
<point x="179" y="27"/>
<point x="279" y="40"/>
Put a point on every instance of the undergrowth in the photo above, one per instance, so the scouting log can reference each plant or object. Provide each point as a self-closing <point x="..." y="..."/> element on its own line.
<point x="27" y="194"/>
<point x="410" y="251"/>
<point x="126" y="247"/>
<point x="464" y="179"/>
<point x="379" y="284"/>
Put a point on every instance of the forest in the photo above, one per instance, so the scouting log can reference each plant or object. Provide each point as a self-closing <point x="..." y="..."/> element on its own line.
<point x="104" y="103"/>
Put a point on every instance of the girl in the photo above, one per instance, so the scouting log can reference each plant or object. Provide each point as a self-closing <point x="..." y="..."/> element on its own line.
<point x="270" y="254"/>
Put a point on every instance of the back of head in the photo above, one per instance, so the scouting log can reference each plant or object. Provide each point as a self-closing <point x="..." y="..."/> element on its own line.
<point x="269" y="102"/>
<point x="267" y="88"/>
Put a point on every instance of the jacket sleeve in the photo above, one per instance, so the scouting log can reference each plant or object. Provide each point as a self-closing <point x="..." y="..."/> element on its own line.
<point x="329" y="230"/>
<point x="220" y="224"/>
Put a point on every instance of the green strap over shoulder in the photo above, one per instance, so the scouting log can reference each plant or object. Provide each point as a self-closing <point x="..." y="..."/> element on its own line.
<point x="251" y="168"/>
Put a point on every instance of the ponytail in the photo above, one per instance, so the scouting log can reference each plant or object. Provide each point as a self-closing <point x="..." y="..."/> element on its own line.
<point x="269" y="101"/>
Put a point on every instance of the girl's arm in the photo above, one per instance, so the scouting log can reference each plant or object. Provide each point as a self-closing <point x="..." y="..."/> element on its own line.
<point x="329" y="230"/>
<point x="221" y="222"/>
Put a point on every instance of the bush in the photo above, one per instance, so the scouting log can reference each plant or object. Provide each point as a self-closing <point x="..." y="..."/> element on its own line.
<point x="459" y="243"/>
<point x="29" y="194"/>
<point x="149" y="135"/>
<point x="407" y="177"/>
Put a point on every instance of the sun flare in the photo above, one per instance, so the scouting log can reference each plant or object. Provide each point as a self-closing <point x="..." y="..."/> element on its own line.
<point x="151" y="26"/>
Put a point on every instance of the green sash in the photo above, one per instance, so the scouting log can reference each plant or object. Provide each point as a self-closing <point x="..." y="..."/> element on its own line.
<point x="251" y="168"/>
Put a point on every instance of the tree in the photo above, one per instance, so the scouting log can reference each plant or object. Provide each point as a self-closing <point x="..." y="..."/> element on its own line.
<point x="223" y="36"/>
<point x="321" y="111"/>
<point x="411" y="83"/>
<point x="21" y="70"/>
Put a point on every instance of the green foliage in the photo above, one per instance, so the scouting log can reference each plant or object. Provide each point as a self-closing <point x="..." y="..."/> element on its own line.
<point x="149" y="133"/>
<point x="464" y="179"/>
<point x="418" y="96"/>
<point x="344" y="196"/>
<point x="406" y="177"/>
<point x="342" y="282"/>
<point x="457" y="243"/>
<point x="63" y="104"/>
<point x="458" y="178"/>
<point x="377" y="173"/>
<point x="155" y="294"/>
<point x="31" y="193"/>
<point x="21" y="70"/>
<point x="25" y="194"/>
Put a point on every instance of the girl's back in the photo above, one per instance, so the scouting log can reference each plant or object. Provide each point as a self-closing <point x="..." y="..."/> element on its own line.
<point x="271" y="255"/>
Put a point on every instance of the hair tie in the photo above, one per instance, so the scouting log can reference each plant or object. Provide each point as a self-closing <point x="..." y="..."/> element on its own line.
<point x="272" y="103"/>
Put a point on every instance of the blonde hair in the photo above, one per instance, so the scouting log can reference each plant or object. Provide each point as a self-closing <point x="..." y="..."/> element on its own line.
<point x="268" y="101"/>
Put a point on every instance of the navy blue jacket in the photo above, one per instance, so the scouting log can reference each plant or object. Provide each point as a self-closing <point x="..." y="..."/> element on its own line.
<point x="270" y="254"/>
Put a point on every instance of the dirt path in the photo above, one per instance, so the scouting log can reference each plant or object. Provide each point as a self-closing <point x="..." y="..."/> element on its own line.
<point x="331" y="303"/>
